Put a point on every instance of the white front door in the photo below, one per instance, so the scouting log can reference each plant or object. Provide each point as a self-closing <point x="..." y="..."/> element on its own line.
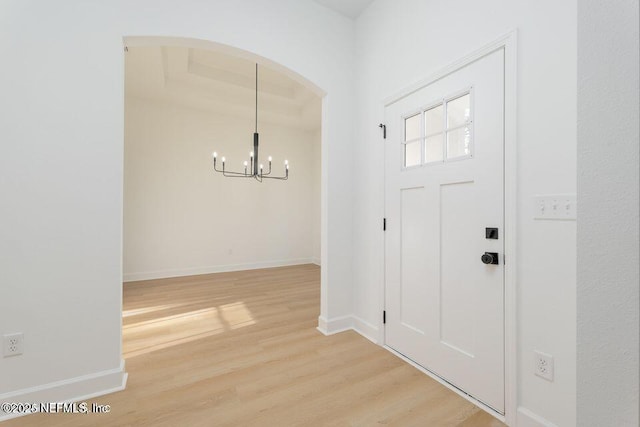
<point x="444" y="207"/>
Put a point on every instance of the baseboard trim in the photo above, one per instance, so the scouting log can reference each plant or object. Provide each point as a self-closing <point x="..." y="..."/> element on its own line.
<point x="70" y="390"/>
<point x="527" y="418"/>
<point x="165" y="274"/>
<point x="365" y="329"/>
<point x="315" y="261"/>
<point x="348" y="323"/>
<point x="335" y="325"/>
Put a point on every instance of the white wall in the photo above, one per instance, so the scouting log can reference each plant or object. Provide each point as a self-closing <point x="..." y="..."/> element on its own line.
<point x="608" y="236"/>
<point x="403" y="41"/>
<point x="180" y="218"/>
<point x="61" y="163"/>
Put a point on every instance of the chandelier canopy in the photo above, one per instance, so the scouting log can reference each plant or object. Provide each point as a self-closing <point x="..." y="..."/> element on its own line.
<point x="252" y="167"/>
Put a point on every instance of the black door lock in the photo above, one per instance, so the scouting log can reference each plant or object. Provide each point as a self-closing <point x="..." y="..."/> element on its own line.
<point x="490" y="258"/>
<point x="491" y="233"/>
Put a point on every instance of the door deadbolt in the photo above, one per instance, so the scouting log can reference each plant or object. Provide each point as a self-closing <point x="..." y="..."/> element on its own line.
<point x="491" y="233"/>
<point x="490" y="258"/>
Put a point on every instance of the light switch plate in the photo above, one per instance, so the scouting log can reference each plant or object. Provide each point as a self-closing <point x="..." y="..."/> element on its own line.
<point x="555" y="207"/>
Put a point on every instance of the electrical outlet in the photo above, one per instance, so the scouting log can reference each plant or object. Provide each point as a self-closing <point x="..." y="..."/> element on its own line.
<point x="12" y="344"/>
<point x="543" y="365"/>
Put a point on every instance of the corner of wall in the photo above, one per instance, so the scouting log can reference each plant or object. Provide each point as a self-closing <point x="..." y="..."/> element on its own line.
<point x="348" y="323"/>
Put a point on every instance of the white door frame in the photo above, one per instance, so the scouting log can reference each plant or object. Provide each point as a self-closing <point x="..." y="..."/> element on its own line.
<point x="508" y="42"/>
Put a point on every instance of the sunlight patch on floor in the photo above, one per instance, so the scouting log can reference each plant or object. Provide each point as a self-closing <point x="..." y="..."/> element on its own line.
<point x="142" y="337"/>
<point x="145" y="310"/>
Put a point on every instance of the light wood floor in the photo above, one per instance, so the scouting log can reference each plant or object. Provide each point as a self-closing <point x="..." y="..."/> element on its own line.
<point x="241" y="349"/>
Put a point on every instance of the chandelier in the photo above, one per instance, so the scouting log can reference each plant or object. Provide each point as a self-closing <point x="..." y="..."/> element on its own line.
<point x="252" y="167"/>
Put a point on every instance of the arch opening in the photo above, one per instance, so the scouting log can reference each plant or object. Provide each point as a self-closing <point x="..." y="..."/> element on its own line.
<point x="190" y="62"/>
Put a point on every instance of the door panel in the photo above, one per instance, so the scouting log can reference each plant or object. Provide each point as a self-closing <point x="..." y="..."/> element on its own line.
<point x="456" y="309"/>
<point x="445" y="308"/>
<point x="413" y="245"/>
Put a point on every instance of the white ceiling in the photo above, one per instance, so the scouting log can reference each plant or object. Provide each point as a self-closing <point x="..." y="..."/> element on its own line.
<point x="219" y="83"/>
<point x="349" y="8"/>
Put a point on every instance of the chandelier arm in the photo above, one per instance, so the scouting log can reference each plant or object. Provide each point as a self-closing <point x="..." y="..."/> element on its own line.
<point x="229" y="173"/>
<point x="224" y="171"/>
<point x="237" y="176"/>
<point x="283" y="178"/>
<point x="232" y="173"/>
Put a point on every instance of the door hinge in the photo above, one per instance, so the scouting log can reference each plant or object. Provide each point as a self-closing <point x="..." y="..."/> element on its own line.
<point x="384" y="130"/>
<point x="384" y="317"/>
<point x="384" y="224"/>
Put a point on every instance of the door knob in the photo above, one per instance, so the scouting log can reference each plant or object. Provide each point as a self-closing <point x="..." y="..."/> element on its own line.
<point x="490" y="258"/>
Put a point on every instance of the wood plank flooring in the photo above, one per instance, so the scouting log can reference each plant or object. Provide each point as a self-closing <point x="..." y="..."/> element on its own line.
<point x="241" y="349"/>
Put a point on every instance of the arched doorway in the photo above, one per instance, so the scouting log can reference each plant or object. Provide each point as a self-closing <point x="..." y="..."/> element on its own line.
<point x="186" y="70"/>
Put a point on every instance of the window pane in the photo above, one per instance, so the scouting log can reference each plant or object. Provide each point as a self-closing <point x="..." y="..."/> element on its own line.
<point x="459" y="142"/>
<point x="433" y="120"/>
<point x="412" y="128"/>
<point x="458" y="111"/>
<point x="412" y="154"/>
<point x="433" y="149"/>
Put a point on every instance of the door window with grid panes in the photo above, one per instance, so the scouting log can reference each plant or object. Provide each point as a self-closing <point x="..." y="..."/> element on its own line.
<point x="439" y="133"/>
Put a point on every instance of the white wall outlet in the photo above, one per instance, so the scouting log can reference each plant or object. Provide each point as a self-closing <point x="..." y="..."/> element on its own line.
<point x="12" y="344"/>
<point x="543" y="365"/>
<point x="555" y="207"/>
